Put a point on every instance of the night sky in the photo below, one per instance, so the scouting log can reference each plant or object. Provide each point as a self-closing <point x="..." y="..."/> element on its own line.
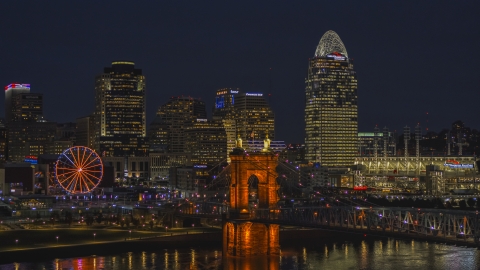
<point x="411" y="57"/>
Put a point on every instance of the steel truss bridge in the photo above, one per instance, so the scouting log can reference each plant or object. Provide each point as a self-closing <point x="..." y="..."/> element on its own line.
<point x="432" y="224"/>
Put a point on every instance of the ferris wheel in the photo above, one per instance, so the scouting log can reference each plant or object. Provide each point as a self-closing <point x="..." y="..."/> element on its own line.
<point x="78" y="170"/>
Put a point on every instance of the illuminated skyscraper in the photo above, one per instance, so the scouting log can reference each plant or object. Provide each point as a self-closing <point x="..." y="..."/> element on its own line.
<point x="246" y="114"/>
<point x="224" y="103"/>
<point x="206" y="141"/>
<point x="331" y="105"/>
<point x="120" y="105"/>
<point x="167" y="130"/>
<point x="254" y="117"/>
<point x="21" y="105"/>
<point x="224" y="112"/>
<point x="29" y="134"/>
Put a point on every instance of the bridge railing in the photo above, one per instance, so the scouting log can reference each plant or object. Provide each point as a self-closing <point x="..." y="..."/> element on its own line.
<point x="429" y="222"/>
<point x="203" y="208"/>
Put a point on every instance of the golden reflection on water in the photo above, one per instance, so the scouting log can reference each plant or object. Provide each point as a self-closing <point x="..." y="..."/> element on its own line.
<point x="382" y="254"/>
<point x="130" y="266"/>
<point x="154" y="257"/>
<point x="144" y="259"/>
<point x="363" y="254"/>
<point x="166" y="259"/>
<point x="176" y="259"/>
<point x="192" y="261"/>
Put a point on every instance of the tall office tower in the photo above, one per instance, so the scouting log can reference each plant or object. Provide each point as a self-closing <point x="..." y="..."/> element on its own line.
<point x="331" y="105"/>
<point x="3" y="142"/>
<point x="167" y="130"/>
<point x="27" y="107"/>
<point x="254" y="117"/>
<point x="224" y="112"/>
<point x="120" y="105"/>
<point x="11" y="91"/>
<point x="206" y="141"/>
<point x="85" y="131"/>
<point x="224" y="103"/>
<point x="28" y="133"/>
<point x="30" y="139"/>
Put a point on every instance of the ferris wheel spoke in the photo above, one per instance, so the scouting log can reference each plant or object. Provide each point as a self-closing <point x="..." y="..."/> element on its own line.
<point x="73" y="155"/>
<point x="85" y="160"/>
<point x="92" y="166"/>
<point x="81" y="184"/>
<point x="64" y="162"/>
<point x="84" y="181"/>
<point x="78" y="157"/>
<point x="69" y="169"/>
<point x="71" y="162"/>
<point x="72" y="183"/>
<point x="70" y="178"/>
<point x="94" y="176"/>
<point x="67" y="173"/>
<point x="77" y="183"/>
<point x="91" y="161"/>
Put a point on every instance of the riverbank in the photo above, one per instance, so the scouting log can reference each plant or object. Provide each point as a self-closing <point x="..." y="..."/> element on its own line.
<point x="189" y="239"/>
<point x="99" y="248"/>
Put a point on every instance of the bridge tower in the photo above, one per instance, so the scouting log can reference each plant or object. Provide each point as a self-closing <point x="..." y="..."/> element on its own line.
<point x="241" y="236"/>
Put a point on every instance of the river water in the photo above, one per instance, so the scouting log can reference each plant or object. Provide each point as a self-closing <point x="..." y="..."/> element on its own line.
<point x="383" y="254"/>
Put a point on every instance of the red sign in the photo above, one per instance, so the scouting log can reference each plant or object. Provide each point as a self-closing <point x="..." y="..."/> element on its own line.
<point x="360" y="188"/>
<point x="452" y="161"/>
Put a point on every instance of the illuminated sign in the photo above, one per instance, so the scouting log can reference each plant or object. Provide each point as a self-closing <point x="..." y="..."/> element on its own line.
<point x="31" y="159"/>
<point x="223" y="92"/>
<point x="360" y="188"/>
<point x="336" y="56"/>
<point x="16" y="85"/>
<point x="254" y="94"/>
<point x="201" y="120"/>
<point x="457" y="165"/>
<point x="200" y="166"/>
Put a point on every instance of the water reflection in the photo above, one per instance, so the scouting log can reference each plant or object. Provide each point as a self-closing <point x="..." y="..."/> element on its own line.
<point x="383" y="254"/>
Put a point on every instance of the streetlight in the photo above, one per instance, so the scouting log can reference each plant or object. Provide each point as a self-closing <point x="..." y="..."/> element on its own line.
<point x="57" y="240"/>
<point x="94" y="234"/>
<point x="166" y="228"/>
<point x="130" y="231"/>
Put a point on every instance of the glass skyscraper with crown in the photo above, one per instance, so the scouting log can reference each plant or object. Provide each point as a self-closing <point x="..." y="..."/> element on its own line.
<point x="331" y="113"/>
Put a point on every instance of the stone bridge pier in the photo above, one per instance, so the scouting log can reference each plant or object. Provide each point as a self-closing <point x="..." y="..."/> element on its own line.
<point x="241" y="236"/>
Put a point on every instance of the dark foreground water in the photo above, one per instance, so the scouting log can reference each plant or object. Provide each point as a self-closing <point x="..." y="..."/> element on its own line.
<point x="381" y="254"/>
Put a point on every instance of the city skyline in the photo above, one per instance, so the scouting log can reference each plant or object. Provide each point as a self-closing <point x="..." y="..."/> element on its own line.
<point x="403" y="61"/>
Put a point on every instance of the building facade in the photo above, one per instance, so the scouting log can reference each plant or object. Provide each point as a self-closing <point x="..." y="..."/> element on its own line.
<point x="120" y="111"/>
<point x="255" y="119"/>
<point x="11" y="91"/>
<point x="85" y="131"/>
<point x="28" y="133"/>
<point x="331" y="113"/>
<point x="206" y="141"/>
<point x="167" y="130"/>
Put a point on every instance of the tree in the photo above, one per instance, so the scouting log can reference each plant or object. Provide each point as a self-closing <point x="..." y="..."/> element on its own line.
<point x="99" y="218"/>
